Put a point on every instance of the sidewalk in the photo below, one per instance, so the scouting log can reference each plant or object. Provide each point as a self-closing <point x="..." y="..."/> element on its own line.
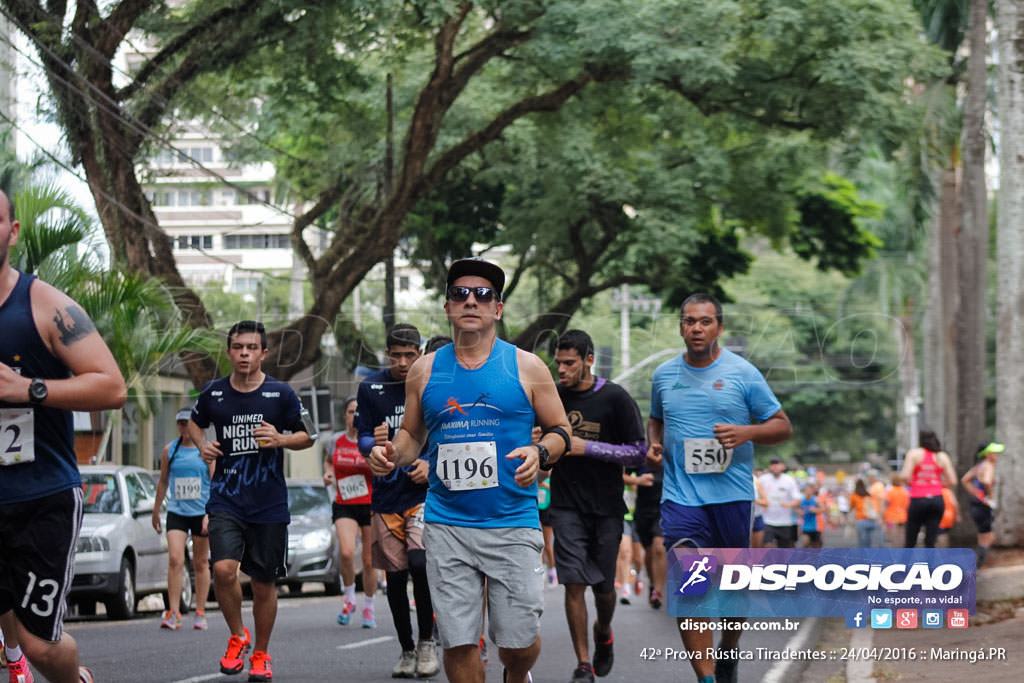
<point x="994" y="641"/>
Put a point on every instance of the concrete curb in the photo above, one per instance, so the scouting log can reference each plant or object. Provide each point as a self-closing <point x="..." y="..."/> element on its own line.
<point x="1001" y="583"/>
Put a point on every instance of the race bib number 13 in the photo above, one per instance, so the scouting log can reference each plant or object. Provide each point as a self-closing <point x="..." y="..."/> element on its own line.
<point x="706" y="456"/>
<point x="467" y="466"/>
<point x="17" y="436"/>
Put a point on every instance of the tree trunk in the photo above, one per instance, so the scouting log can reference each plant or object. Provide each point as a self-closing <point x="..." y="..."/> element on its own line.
<point x="972" y="251"/>
<point x="904" y="331"/>
<point x="940" y="348"/>
<point x="1010" y="241"/>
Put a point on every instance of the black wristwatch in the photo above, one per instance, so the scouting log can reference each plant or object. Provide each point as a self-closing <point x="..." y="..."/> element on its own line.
<point x="37" y="391"/>
<point x="543" y="456"/>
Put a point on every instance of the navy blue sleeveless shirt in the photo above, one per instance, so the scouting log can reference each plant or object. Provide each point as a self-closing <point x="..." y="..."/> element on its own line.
<point x="54" y="467"/>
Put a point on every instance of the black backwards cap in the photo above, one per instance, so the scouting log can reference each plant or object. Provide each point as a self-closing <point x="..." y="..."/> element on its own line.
<point x="479" y="267"/>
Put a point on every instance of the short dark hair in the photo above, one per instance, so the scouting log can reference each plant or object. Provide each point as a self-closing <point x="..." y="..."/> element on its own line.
<point x="350" y="399"/>
<point x="928" y="439"/>
<point x="402" y="334"/>
<point x="249" y="327"/>
<point x="436" y="342"/>
<point x="10" y="204"/>
<point x="702" y="298"/>
<point x="576" y="339"/>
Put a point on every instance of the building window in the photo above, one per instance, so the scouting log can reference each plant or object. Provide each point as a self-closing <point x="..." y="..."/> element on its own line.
<point x="185" y="197"/>
<point x="194" y="242"/>
<point x="257" y="242"/>
<point x="245" y="285"/>
<point x="403" y="283"/>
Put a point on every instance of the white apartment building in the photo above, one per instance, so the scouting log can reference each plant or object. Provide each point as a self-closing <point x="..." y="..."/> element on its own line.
<point x="221" y="218"/>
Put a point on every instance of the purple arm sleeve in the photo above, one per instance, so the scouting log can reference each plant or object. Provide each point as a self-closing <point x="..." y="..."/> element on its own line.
<point x="626" y="454"/>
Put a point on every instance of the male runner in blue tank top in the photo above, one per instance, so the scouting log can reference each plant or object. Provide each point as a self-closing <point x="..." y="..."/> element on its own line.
<point x="255" y="418"/>
<point x="477" y="401"/>
<point x="52" y="362"/>
<point x="708" y="407"/>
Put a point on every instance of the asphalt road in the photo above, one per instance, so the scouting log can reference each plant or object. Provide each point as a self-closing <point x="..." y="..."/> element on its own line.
<point x="308" y="645"/>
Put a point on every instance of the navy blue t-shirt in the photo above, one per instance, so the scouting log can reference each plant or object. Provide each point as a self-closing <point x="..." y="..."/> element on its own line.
<point x="381" y="398"/>
<point x="248" y="481"/>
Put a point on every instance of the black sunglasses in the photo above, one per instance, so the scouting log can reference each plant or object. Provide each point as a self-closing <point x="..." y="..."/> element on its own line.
<point x="459" y="293"/>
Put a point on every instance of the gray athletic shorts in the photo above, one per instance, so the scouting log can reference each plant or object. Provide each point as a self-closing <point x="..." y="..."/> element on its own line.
<point x="458" y="561"/>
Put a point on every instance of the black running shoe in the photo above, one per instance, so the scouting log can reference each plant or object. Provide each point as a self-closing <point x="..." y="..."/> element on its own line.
<point x="584" y="673"/>
<point x="725" y="670"/>
<point x="603" y="652"/>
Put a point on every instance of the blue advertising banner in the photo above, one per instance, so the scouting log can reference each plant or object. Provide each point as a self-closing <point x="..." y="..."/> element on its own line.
<point x="818" y="582"/>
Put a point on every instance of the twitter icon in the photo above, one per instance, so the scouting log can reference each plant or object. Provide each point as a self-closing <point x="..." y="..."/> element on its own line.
<point x="881" y="618"/>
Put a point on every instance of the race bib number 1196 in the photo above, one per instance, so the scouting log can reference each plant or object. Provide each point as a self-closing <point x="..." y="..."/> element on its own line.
<point x="467" y="466"/>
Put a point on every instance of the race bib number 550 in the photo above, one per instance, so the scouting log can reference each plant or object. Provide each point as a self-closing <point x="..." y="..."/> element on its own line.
<point x="17" y="436"/>
<point x="467" y="466"/>
<point x="706" y="456"/>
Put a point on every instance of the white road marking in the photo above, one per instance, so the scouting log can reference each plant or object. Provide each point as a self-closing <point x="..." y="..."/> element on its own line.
<point x="859" y="670"/>
<point x="364" y="643"/>
<point x="780" y="670"/>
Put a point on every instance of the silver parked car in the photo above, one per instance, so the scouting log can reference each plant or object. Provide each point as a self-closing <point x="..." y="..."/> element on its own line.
<point x="119" y="557"/>
<point x="312" y="542"/>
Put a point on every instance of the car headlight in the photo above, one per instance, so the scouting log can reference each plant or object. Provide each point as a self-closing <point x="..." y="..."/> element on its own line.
<point x="315" y="540"/>
<point x="92" y="544"/>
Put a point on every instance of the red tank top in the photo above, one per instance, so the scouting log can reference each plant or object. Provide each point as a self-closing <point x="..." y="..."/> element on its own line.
<point x="926" y="480"/>
<point x="353" y="479"/>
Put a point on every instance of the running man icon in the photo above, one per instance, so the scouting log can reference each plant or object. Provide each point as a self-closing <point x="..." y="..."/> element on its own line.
<point x="696" y="582"/>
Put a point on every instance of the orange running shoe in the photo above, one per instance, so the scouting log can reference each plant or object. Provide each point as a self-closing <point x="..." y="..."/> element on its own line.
<point x="19" y="671"/>
<point x="233" y="660"/>
<point x="260" y="667"/>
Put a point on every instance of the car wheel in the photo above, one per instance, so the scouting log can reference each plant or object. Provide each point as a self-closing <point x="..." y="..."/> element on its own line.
<point x="332" y="586"/>
<point x="122" y="605"/>
<point x="86" y="608"/>
<point x="186" y="591"/>
<point x="185" y="599"/>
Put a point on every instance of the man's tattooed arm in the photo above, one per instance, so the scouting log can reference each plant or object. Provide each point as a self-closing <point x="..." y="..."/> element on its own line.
<point x="81" y="325"/>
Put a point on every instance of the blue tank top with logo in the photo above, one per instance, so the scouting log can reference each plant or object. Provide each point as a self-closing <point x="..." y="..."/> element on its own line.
<point x="188" y="487"/>
<point x="38" y="442"/>
<point x="474" y="419"/>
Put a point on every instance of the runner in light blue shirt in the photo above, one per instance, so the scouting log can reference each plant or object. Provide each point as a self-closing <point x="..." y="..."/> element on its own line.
<point x="708" y="408"/>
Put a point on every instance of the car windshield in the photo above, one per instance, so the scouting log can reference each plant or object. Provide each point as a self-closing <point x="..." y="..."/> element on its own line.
<point x="308" y="500"/>
<point x="99" y="493"/>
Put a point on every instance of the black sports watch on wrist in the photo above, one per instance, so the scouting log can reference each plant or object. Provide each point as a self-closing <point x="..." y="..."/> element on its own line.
<point x="543" y="457"/>
<point x="37" y="391"/>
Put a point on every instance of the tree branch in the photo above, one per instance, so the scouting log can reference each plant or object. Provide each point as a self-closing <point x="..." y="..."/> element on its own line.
<point x="226" y="15"/>
<point x="324" y="203"/>
<point x="549" y="101"/>
<point x="117" y="25"/>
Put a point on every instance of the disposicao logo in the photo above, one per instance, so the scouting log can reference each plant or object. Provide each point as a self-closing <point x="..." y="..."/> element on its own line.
<point x="829" y="582"/>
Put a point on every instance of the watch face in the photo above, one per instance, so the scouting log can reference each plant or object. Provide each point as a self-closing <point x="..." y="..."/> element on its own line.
<point x="37" y="390"/>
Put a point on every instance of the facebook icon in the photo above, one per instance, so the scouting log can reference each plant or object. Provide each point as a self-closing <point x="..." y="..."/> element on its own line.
<point x="855" y="619"/>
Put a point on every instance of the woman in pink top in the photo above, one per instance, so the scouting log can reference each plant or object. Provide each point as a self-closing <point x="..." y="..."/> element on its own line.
<point x="927" y="469"/>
